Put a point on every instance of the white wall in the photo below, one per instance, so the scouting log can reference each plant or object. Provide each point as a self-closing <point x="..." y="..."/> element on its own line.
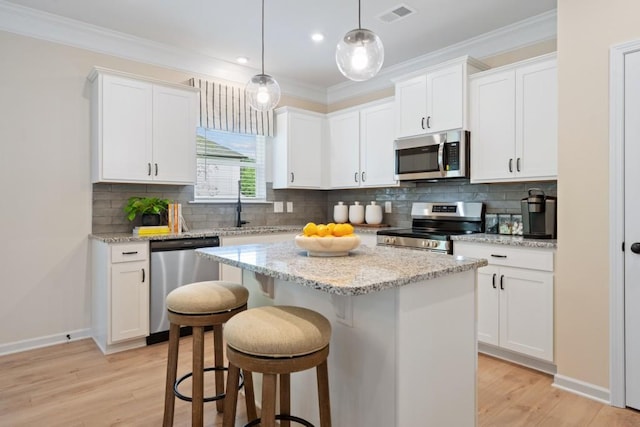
<point x="46" y="193"/>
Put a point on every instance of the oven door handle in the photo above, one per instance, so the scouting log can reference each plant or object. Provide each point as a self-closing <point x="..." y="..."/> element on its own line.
<point x="441" y="158"/>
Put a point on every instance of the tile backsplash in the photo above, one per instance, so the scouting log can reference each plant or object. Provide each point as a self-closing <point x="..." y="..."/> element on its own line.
<point x="308" y="205"/>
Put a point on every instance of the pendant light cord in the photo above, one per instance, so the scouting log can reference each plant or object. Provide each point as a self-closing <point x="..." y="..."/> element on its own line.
<point x="359" y="23"/>
<point x="263" y="36"/>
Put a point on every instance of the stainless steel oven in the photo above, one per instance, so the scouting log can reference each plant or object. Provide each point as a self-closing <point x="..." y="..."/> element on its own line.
<point x="439" y="156"/>
<point x="433" y="224"/>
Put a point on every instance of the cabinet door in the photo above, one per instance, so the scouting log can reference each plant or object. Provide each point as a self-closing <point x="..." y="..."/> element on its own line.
<point x="129" y="308"/>
<point x="526" y="312"/>
<point x="537" y="121"/>
<point x="488" y="305"/>
<point x="411" y="107"/>
<point x="174" y="135"/>
<point x="344" y="150"/>
<point x="305" y="151"/>
<point x="445" y="101"/>
<point x="126" y="129"/>
<point x="376" y="146"/>
<point x="493" y="126"/>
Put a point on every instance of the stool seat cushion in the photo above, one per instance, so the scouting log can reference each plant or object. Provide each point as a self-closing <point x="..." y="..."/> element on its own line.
<point x="209" y="297"/>
<point x="278" y="331"/>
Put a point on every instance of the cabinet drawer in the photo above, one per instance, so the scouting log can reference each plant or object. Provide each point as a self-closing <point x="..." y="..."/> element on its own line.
<point x="129" y="252"/>
<point x="508" y="256"/>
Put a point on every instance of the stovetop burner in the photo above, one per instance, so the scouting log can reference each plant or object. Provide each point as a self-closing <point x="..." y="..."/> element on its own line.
<point x="433" y="224"/>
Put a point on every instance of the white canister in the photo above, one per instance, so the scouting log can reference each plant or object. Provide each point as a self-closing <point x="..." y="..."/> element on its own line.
<point x="373" y="213"/>
<point x="356" y="213"/>
<point x="340" y="213"/>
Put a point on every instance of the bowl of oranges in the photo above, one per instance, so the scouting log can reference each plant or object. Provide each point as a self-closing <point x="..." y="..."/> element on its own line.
<point x="327" y="239"/>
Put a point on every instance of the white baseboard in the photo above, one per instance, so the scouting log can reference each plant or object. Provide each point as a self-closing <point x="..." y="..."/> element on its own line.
<point x="46" y="341"/>
<point x="520" y="359"/>
<point x="582" y="388"/>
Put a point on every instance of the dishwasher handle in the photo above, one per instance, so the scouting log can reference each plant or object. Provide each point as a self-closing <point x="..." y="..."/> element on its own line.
<point x="184" y="244"/>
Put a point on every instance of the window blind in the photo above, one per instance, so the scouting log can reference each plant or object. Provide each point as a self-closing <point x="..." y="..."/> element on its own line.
<point x="225" y="107"/>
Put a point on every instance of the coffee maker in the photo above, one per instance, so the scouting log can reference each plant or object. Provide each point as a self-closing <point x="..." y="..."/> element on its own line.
<point x="539" y="215"/>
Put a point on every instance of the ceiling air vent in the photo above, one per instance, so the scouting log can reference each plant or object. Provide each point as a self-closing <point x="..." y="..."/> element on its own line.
<point x="396" y="13"/>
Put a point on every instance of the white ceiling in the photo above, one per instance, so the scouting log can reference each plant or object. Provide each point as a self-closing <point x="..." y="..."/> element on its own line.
<point x="228" y="29"/>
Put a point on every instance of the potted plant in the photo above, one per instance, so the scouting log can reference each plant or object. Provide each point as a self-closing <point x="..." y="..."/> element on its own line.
<point x="149" y="208"/>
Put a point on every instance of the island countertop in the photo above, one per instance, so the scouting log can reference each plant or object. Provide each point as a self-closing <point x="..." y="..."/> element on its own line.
<point x="366" y="269"/>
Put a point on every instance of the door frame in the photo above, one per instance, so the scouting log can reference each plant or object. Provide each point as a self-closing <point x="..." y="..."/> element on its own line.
<point x="616" y="220"/>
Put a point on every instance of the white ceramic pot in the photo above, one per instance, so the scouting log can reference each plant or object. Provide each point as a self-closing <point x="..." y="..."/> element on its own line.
<point x="356" y="213"/>
<point x="340" y="213"/>
<point x="373" y="213"/>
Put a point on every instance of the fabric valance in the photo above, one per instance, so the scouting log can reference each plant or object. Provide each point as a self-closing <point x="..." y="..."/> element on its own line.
<point x="225" y="107"/>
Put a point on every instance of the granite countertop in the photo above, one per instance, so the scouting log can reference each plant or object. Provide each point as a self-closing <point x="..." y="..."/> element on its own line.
<point x="498" y="239"/>
<point x="222" y="231"/>
<point x="366" y="269"/>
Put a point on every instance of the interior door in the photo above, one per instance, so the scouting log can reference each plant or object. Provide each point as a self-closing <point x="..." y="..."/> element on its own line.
<point x="632" y="230"/>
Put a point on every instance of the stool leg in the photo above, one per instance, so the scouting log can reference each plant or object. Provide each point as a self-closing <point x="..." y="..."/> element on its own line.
<point x="231" y="398"/>
<point x="218" y="362"/>
<point x="285" y="398"/>
<point x="172" y="368"/>
<point x="250" y="398"/>
<point x="268" y="414"/>
<point x="323" y="394"/>
<point x="197" y="403"/>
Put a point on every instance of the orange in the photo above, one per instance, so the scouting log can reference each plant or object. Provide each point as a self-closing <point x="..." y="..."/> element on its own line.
<point x="310" y="229"/>
<point x="323" y="230"/>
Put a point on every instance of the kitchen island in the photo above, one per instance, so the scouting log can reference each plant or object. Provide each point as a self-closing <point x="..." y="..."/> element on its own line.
<point x="403" y="349"/>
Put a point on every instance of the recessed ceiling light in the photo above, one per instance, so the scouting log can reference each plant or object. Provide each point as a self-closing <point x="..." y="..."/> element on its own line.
<point x="242" y="59"/>
<point x="317" y="37"/>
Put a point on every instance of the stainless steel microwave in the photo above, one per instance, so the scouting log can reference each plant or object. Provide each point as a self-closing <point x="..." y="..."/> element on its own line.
<point x="439" y="156"/>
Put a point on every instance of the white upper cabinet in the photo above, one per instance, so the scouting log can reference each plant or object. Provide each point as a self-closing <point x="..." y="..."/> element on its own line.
<point x="514" y="122"/>
<point x="361" y="147"/>
<point x="142" y="130"/>
<point x="298" y="149"/>
<point x="434" y="100"/>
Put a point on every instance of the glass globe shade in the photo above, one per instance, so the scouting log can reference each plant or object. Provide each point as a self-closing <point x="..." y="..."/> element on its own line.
<point x="263" y="92"/>
<point x="360" y="54"/>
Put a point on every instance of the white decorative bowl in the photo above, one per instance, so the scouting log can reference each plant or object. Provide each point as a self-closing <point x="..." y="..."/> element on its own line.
<point x="327" y="246"/>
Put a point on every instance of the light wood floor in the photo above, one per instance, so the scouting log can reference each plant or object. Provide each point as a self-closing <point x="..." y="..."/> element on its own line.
<point x="75" y="385"/>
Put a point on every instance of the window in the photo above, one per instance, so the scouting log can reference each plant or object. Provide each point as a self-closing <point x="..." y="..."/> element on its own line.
<point x="223" y="159"/>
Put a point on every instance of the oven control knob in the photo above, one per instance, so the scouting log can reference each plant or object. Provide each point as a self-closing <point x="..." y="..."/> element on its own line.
<point x="434" y="244"/>
<point x="390" y="240"/>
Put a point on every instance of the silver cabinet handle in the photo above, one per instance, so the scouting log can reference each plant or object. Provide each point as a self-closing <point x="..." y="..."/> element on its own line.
<point x="422" y="123"/>
<point x="518" y="164"/>
<point x="292" y="176"/>
<point x="498" y="256"/>
<point x="355" y="176"/>
<point x="510" y="165"/>
<point x="428" y="122"/>
<point x="156" y="168"/>
<point x="130" y="253"/>
<point x="143" y="275"/>
<point x="149" y="169"/>
<point x="363" y="176"/>
<point x="501" y="284"/>
<point x="493" y="281"/>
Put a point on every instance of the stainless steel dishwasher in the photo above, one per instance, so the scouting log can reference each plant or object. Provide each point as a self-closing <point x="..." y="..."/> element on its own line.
<point x="173" y="264"/>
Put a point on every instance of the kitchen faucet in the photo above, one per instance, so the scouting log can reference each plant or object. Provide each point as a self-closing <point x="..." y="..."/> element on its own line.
<point x="239" y="220"/>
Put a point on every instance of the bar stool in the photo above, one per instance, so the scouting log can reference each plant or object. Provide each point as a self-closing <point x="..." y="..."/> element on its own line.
<point x="198" y="305"/>
<point x="277" y="341"/>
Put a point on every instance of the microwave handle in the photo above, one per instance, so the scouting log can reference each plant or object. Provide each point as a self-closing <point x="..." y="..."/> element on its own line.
<point x="441" y="158"/>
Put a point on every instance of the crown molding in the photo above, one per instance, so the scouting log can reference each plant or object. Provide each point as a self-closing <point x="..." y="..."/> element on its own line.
<point x="520" y="34"/>
<point x="49" y="27"/>
<point x="45" y="26"/>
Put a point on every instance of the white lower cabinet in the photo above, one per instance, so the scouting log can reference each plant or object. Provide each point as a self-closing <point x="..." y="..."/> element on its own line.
<point x="515" y="297"/>
<point x="120" y="306"/>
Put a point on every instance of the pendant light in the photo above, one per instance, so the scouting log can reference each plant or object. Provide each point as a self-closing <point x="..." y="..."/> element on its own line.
<point x="360" y="53"/>
<point x="263" y="91"/>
